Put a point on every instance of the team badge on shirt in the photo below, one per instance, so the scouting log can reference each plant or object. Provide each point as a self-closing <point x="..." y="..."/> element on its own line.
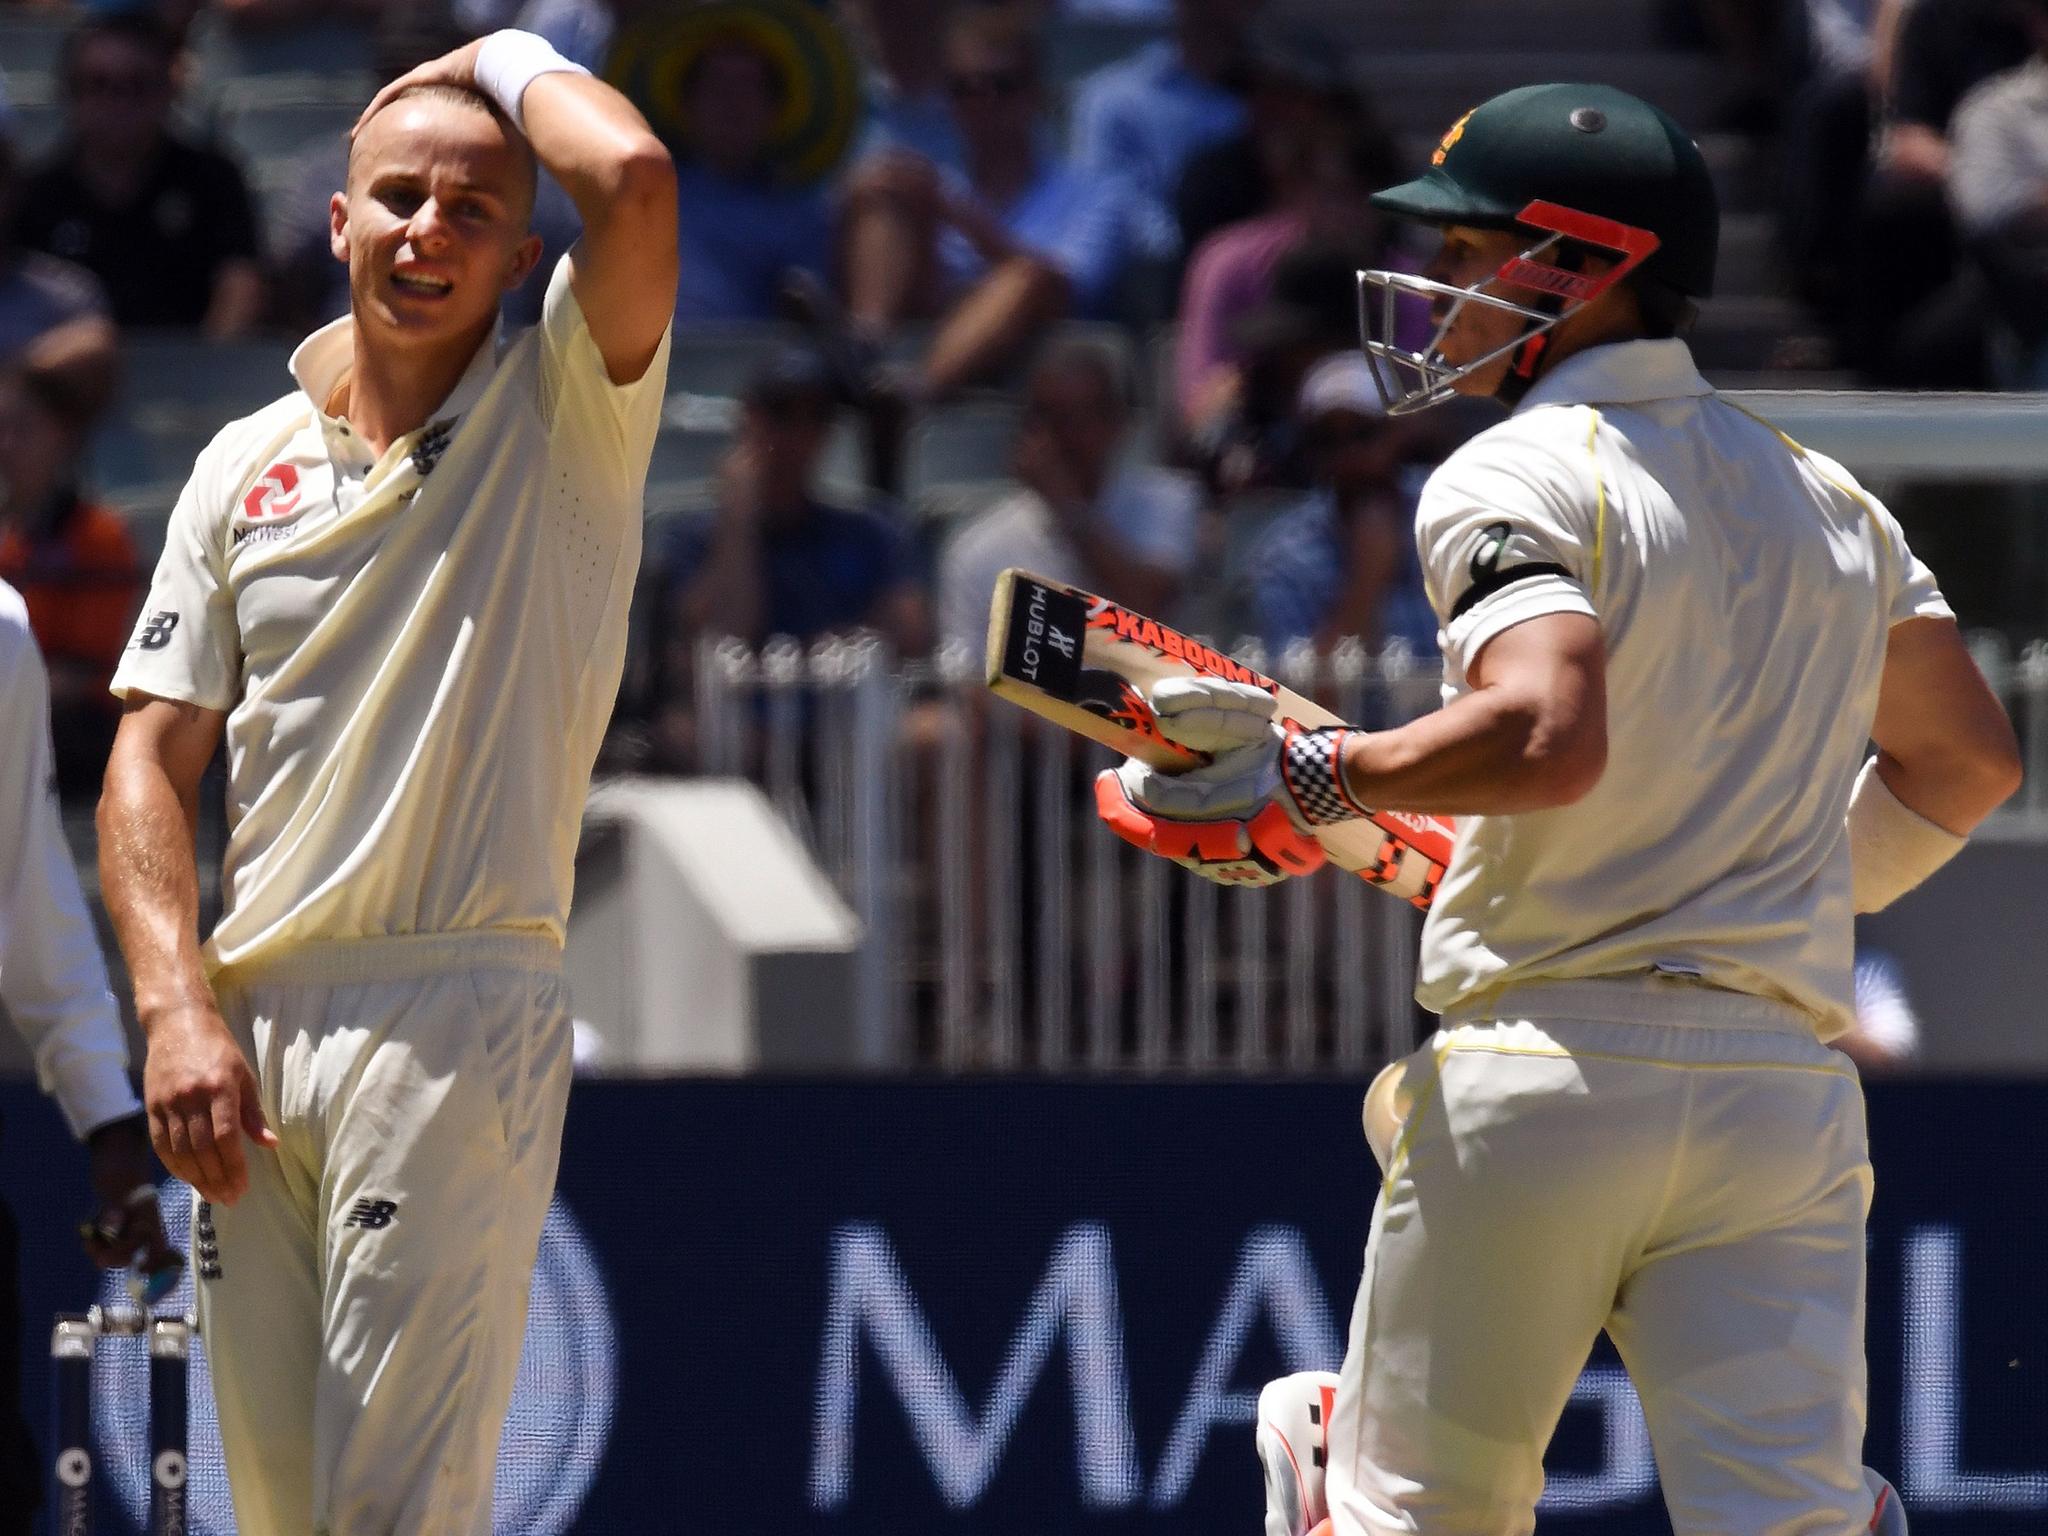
<point x="1500" y="557"/>
<point x="271" y="502"/>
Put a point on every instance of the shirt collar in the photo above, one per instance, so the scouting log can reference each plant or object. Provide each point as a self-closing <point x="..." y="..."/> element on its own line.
<point x="323" y="357"/>
<point x="1620" y="373"/>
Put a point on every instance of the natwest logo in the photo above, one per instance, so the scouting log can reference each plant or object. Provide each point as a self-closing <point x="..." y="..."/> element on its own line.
<point x="275" y="493"/>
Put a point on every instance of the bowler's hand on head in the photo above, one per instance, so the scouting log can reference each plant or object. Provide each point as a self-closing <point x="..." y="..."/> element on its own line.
<point x="455" y="68"/>
<point x="201" y="1098"/>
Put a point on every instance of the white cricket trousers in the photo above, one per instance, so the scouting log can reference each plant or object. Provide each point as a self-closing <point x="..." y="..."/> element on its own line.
<point x="364" y="1304"/>
<point x="1682" y="1166"/>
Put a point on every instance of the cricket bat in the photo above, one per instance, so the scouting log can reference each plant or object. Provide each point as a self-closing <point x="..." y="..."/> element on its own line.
<point x="1086" y="663"/>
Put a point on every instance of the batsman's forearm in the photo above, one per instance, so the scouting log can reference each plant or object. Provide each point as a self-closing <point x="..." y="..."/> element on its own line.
<point x="1485" y="754"/>
<point x="149" y="877"/>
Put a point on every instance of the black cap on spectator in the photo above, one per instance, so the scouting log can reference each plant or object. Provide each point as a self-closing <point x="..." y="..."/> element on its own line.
<point x="793" y="376"/>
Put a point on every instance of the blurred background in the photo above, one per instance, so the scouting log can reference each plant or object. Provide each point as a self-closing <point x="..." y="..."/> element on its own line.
<point x="938" y="1162"/>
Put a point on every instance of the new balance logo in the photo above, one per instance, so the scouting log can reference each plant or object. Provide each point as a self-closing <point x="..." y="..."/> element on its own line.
<point x="155" y="633"/>
<point x="371" y="1215"/>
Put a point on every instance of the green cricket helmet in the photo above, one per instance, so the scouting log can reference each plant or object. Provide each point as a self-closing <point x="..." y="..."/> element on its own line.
<point x="1585" y="170"/>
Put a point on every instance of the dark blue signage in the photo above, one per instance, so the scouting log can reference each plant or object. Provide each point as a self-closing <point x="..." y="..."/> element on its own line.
<point x="1027" y="1307"/>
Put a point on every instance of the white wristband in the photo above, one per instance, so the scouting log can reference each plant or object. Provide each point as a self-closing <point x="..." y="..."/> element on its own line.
<point x="1892" y="847"/>
<point x="510" y="61"/>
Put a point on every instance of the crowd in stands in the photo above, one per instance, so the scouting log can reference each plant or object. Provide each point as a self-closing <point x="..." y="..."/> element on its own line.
<point x="991" y="234"/>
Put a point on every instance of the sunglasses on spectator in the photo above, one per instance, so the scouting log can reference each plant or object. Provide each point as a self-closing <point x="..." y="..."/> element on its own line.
<point x="992" y="83"/>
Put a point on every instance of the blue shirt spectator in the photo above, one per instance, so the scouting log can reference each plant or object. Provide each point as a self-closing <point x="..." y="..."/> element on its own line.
<point x="1297" y="574"/>
<point x="828" y="569"/>
<point x="904" y="90"/>
<point x="580" y="30"/>
<point x="1343" y="562"/>
<point x="738" y="237"/>
<point x="1076" y="220"/>
<point x="921" y="124"/>
<point x="1144" y="118"/>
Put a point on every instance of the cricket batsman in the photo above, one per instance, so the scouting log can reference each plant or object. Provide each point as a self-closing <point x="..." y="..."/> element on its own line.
<point x="400" y="594"/>
<point x="1670" y="637"/>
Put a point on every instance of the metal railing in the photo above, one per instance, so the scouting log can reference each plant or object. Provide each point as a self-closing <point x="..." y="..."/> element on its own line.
<point x="1008" y="931"/>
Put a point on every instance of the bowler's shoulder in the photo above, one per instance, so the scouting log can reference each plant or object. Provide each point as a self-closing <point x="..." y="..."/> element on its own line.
<point x="261" y="434"/>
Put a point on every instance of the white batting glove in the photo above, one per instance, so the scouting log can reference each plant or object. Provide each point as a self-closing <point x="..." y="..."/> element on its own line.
<point x="1210" y="715"/>
<point x="1247" y="817"/>
<point x="1231" y="721"/>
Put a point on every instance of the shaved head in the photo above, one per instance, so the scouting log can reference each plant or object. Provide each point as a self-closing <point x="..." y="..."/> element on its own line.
<point x="363" y="149"/>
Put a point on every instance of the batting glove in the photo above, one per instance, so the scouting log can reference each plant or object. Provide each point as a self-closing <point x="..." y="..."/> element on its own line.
<point x="1248" y="817"/>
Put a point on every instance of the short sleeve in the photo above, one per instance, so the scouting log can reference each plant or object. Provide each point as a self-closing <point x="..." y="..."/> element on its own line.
<point x="1915" y="593"/>
<point x="601" y="426"/>
<point x="1505" y="529"/>
<point x="187" y="645"/>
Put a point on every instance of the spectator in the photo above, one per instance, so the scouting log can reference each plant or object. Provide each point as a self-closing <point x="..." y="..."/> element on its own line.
<point x="166" y="226"/>
<point x="73" y="563"/>
<point x="1083" y="516"/>
<point x="775" y="556"/>
<point x="1321" y="157"/>
<point x="1912" y="323"/>
<point x="53" y="315"/>
<point x="1250" y="435"/>
<point x="1998" y="187"/>
<point x="1826" y="145"/>
<point x="741" y="231"/>
<point x="1022" y="241"/>
<point x="1145" y="117"/>
<point x="580" y="30"/>
<point x="908" y="109"/>
<point x="1343" y="563"/>
<point x="1293" y="74"/>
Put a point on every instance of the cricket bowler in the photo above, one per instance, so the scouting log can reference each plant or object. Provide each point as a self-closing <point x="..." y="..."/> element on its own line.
<point x="400" y="594"/>
<point x="1670" y="637"/>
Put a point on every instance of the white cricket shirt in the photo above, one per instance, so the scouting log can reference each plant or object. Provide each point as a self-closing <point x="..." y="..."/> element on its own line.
<point x="53" y="980"/>
<point x="1745" y="588"/>
<point x="417" y="655"/>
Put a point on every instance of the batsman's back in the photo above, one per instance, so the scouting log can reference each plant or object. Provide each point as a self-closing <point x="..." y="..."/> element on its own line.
<point x="1744" y="587"/>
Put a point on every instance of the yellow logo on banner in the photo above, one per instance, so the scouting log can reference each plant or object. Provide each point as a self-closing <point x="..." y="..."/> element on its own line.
<point x="1457" y="132"/>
